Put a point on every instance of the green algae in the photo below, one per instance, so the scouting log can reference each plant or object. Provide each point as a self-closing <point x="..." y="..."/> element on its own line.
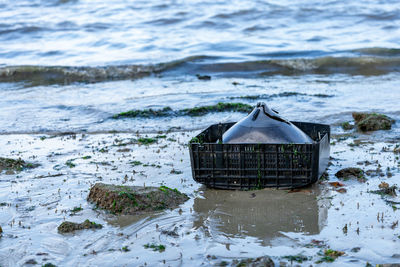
<point x="70" y="163"/>
<point x="147" y="140"/>
<point x="15" y="164"/>
<point x="220" y="107"/>
<point x="146" y="113"/>
<point x="155" y="247"/>
<point x="76" y="209"/>
<point x="166" y="189"/>
<point x="136" y="163"/>
<point x="347" y="126"/>
<point x="193" y="112"/>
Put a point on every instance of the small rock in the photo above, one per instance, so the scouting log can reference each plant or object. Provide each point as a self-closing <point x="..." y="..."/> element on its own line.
<point x="342" y="190"/>
<point x="31" y="261"/>
<point x="203" y="77"/>
<point x="372" y="121"/>
<point x="173" y="233"/>
<point x="68" y="227"/>
<point x="351" y="173"/>
<point x="1" y="231"/>
<point x="135" y="199"/>
<point x="356" y="249"/>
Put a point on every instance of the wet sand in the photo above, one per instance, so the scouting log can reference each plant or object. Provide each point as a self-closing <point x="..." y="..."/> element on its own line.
<point x="213" y="226"/>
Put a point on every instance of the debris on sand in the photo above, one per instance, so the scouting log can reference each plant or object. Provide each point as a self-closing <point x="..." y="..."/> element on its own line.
<point x="1" y="231"/>
<point x="15" y="165"/>
<point x="336" y="184"/>
<point x="69" y="227"/>
<point x="385" y="189"/>
<point x="372" y="121"/>
<point x="351" y="173"/>
<point x="396" y="149"/>
<point x="330" y="255"/>
<point x="135" y="199"/>
<point x="264" y="261"/>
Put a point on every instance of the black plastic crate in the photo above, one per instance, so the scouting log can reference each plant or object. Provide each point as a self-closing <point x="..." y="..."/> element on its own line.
<point x="249" y="166"/>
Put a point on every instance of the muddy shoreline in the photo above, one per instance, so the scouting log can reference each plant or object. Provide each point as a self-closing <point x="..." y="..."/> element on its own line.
<point x="336" y="214"/>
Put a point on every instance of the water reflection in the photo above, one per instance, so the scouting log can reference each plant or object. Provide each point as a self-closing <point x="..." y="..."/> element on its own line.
<point x="262" y="214"/>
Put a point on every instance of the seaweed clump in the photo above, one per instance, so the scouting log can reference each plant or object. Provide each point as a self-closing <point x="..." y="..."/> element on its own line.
<point x="220" y="107"/>
<point x="15" y="164"/>
<point x="155" y="247"/>
<point x="146" y="113"/>
<point x="196" y="111"/>
<point x="135" y="199"/>
<point x="347" y="126"/>
<point x="372" y="121"/>
<point x="68" y="227"/>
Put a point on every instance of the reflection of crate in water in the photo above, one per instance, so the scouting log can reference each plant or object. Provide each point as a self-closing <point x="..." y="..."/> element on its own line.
<point x="262" y="214"/>
<point x="246" y="166"/>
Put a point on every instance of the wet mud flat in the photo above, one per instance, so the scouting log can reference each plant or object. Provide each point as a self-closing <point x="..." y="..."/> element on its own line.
<point x="341" y="219"/>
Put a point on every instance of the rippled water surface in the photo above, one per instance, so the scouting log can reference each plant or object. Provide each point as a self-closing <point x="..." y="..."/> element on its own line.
<point x="119" y="32"/>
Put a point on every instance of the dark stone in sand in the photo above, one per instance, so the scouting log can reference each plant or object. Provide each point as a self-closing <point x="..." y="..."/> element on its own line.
<point x="264" y="261"/>
<point x="15" y="165"/>
<point x="1" y="231"/>
<point x="31" y="262"/>
<point x="68" y="227"/>
<point x="135" y="199"/>
<point x="372" y="121"/>
<point x="203" y="77"/>
<point x="350" y="173"/>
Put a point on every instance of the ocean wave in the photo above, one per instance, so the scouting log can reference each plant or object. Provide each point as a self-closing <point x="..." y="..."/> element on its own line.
<point x="360" y="65"/>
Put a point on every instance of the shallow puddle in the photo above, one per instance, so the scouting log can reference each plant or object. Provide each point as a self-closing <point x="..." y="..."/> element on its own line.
<point x="262" y="214"/>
